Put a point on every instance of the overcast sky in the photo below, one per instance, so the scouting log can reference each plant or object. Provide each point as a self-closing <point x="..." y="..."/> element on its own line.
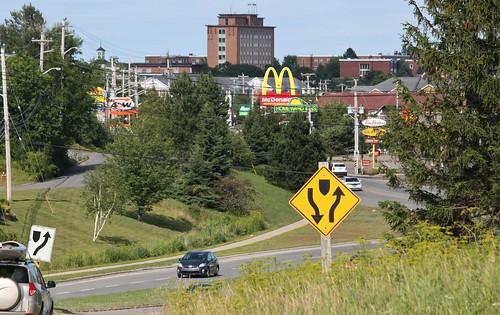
<point x="132" y="29"/>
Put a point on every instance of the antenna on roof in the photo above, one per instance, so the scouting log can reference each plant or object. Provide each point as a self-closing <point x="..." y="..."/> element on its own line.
<point x="253" y="8"/>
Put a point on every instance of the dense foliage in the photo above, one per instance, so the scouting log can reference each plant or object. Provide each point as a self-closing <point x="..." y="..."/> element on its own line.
<point x="448" y="142"/>
<point x="48" y="102"/>
<point x="294" y="154"/>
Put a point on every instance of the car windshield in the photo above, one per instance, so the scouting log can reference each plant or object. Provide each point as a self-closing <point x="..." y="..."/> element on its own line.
<point x="194" y="255"/>
<point x="351" y="180"/>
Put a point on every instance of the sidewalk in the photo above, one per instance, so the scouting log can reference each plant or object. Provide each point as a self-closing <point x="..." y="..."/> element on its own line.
<point x="254" y="239"/>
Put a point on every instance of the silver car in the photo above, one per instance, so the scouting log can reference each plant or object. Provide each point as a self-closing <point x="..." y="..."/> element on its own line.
<point x="23" y="289"/>
<point x="353" y="183"/>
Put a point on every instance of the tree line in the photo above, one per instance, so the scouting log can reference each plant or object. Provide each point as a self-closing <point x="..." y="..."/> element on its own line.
<point x="181" y="146"/>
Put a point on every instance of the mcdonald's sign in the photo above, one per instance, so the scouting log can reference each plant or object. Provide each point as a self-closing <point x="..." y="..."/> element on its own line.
<point x="277" y="97"/>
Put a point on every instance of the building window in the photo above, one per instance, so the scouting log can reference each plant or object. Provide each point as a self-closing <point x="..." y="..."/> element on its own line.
<point x="364" y="68"/>
<point x="222" y="31"/>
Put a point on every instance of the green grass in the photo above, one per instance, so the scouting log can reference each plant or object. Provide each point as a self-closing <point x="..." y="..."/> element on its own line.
<point x="435" y="279"/>
<point x="61" y="208"/>
<point x="363" y="222"/>
<point x="130" y="299"/>
<point x="440" y="277"/>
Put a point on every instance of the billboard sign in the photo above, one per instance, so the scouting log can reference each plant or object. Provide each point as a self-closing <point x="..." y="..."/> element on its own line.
<point x="373" y="132"/>
<point x="373" y="122"/>
<point x="278" y="97"/>
<point x="290" y="108"/>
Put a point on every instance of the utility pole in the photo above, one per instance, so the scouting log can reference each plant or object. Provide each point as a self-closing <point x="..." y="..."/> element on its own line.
<point x="356" y="110"/>
<point x="356" y="127"/>
<point x="308" y="75"/>
<point x="6" y="124"/>
<point x="113" y="76"/>
<point x="129" y="93"/>
<point x="42" y="42"/>
<point x="243" y="76"/>
<point x="63" y="35"/>
<point x="326" y="84"/>
<point x="136" y="89"/>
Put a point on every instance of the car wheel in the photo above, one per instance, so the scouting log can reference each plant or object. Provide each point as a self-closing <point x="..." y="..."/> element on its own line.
<point x="179" y="275"/>
<point x="51" y="309"/>
<point x="208" y="272"/>
<point x="11" y="294"/>
<point x="216" y="271"/>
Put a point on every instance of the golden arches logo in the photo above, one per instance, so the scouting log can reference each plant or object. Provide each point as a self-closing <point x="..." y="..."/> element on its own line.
<point x="278" y="79"/>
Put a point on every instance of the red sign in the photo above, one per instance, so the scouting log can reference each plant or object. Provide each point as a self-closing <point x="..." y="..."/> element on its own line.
<point x="365" y="162"/>
<point x="372" y="140"/>
<point x="272" y="98"/>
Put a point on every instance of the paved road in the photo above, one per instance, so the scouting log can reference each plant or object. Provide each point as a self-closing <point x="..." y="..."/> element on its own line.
<point x="74" y="176"/>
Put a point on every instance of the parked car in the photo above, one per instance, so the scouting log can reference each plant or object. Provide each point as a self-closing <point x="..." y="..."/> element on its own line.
<point x="22" y="287"/>
<point x="198" y="263"/>
<point x="339" y="169"/>
<point x="353" y="183"/>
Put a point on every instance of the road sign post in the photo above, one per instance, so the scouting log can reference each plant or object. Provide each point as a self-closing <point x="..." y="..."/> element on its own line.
<point x="326" y="241"/>
<point x="325" y="201"/>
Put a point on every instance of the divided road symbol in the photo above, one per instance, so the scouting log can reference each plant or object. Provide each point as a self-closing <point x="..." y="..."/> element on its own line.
<point x="324" y="200"/>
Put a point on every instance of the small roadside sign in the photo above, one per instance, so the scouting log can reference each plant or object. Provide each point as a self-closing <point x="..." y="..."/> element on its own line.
<point x="41" y="242"/>
<point x="324" y="200"/>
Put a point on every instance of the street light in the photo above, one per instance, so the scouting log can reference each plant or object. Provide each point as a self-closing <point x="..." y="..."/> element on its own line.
<point x="67" y="50"/>
<point x="54" y="68"/>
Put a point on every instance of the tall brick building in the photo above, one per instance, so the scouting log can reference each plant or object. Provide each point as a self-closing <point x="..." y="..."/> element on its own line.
<point x="240" y="39"/>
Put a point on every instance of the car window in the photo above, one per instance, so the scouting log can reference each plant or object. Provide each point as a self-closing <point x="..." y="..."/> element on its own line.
<point x="18" y="274"/>
<point x="39" y="277"/>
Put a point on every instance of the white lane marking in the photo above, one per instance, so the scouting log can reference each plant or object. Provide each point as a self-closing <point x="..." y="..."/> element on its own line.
<point x="67" y="292"/>
<point x="89" y="289"/>
<point x="136" y="282"/>
<point x="113" y="285"/>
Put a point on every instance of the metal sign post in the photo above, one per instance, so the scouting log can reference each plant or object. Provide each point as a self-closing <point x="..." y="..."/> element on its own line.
<point x="325" y="201"/>
<point x="326" y="242"/>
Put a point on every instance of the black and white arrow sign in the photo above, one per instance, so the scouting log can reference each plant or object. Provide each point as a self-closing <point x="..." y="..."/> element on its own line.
<point x="41" y="242"/>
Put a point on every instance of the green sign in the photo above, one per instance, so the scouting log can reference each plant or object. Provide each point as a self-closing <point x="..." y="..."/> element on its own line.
<point x="244" y="109"/>
<point x="293" y="108"/>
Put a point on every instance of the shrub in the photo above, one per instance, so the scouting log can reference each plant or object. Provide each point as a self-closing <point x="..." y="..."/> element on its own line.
<point x="236" y="196"/>
<point x="39" y="165"/>
<point x="251" y="223"/>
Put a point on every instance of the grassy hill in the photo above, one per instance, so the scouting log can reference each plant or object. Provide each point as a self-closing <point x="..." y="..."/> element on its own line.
<point x="170" y="228"/>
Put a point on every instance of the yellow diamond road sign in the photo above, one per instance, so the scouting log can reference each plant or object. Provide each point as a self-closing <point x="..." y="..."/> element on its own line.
<point x="324" y="201"/>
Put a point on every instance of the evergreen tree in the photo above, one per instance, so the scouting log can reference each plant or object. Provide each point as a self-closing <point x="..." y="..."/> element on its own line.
<point x="295" y="154"/>
<point x="183" y="109"/>
<point x="258" y="131"/>
<point x="209" y="156"/>
<point x="350" y="53"/>
<point x="335" y="129"/>
<point x="449" y="144"/>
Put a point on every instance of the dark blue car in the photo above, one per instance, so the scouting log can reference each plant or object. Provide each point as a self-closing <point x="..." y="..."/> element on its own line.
<point x="198" y="263"/>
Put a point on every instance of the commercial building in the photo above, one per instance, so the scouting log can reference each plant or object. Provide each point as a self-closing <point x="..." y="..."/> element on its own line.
<point x="240" y="39"/>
